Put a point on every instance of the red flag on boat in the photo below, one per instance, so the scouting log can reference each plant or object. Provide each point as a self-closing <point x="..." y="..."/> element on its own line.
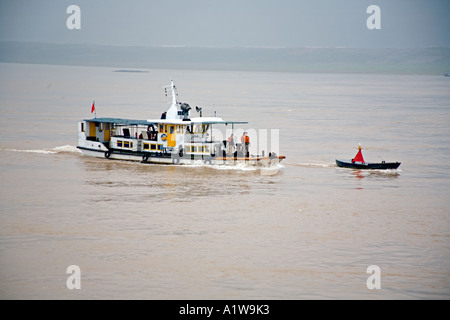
<point x="93" y="107"/>
<point x="359" y="156"/>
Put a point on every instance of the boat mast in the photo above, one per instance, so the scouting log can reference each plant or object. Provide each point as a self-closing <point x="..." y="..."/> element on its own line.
<point x="172" y="113"/>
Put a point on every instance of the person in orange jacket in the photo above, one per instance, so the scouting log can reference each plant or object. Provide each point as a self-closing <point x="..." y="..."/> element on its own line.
<point x="245" y="139"/>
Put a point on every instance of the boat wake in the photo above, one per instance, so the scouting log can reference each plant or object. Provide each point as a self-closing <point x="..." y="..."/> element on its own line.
<point x="66" y="149"/>
<point x="55" y="150"/>
<point x="237" y="166"/>
<point x="234" y="166"/>
<point x="313" y="165"/>
<point x="385" y="172"/>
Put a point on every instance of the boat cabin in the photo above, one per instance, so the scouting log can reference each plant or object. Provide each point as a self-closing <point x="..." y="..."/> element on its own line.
<point x="151" y="137"/>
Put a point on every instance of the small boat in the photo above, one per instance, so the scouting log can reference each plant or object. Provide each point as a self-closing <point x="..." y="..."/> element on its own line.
<point x="358" y="162"/>
<point x="175" y="138"/>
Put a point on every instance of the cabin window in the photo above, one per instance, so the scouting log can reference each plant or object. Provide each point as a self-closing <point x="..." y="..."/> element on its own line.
<point x="207" y="149"/>
<point x="82" y="127"/>
<point x="146" y="146"/>
<point x="161" y="128"/>
<point x="131" y="144"/>
<point x="119" y="143"/>
<point x="160" y="147"/>
<point x="107" y="126"/>
<point x="126" y="144"/>
<point x="153" y="147"/>
<point x="171" y="130"/>
<point x="193" y="149"/>
<point x="165" y="128"/>
<point x="178" y="129"/>
<point x="201" y="149"/>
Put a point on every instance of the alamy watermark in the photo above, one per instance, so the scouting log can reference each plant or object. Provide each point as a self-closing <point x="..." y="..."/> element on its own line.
<point x="374" y="280"/>
<point x="73" y="22"/>
<point x="374" y="21"/>
<point x="74" y="280"/>
<point x="205" y="144"/>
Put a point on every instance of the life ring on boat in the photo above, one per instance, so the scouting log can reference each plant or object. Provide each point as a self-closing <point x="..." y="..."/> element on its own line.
<point x="164" y="137"/>
<point x="107" y="154"/>
<point x="176" y="160"/>
<point x="145" y="157"/>
<point x="207" y="161"/>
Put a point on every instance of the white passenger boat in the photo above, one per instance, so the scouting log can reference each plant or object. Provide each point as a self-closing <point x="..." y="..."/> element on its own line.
<point x="176" y="138"/>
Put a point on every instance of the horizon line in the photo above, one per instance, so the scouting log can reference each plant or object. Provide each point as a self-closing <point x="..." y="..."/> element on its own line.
<point x="178" y="46"/>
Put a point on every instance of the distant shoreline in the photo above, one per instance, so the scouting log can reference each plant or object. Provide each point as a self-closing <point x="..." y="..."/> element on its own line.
<point x="431" y="61"/>
<point x="131" y="71"/>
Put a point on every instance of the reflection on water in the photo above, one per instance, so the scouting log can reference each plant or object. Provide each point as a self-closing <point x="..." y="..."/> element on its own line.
<point x="375" y="174"/>
<point x="162" y="182"/>
<point x="372" y="175"/>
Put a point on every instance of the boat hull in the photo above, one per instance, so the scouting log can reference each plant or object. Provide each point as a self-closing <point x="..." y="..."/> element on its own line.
<point x="369" y="165"/>
<point x="186" y="160"/>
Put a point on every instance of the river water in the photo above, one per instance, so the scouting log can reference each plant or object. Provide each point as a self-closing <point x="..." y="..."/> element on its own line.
<point x="309" y="231"/>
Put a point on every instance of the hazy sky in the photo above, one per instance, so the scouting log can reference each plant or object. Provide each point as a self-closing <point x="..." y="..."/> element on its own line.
<point x="268" y="23"/>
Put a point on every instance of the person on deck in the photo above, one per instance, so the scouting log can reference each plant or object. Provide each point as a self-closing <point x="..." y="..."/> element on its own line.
<point x="245" y="139"/>
<point x="230" y="144"/>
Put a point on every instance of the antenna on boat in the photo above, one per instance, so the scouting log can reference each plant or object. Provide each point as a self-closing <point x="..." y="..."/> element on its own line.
<point x="198" y="109"/>
<point x="172" y="113"/>
<point x="174" y="92"/>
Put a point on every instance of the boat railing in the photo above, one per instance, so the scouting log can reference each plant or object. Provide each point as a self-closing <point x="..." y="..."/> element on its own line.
<point x="196" y="138"/>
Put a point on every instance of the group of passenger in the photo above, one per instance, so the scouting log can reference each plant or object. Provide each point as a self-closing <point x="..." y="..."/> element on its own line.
<point x="232" y="145"/>
<point x="244" y="146"/>
<point x="150" y="134"/>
